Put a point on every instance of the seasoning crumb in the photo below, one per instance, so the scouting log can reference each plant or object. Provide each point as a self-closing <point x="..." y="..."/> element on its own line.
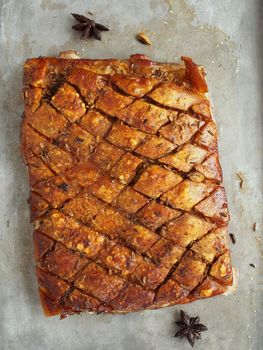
<point x="233" y="238"/>
<point x="143" y="38"/>
<point x="255" y="226"/>
<point x="63" y="186"/>
<point x="241" y="180"/>
<point x="252" y="265"/>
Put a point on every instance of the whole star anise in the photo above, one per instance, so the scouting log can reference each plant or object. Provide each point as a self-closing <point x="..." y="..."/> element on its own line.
<point x="190" y="328"/>
<point x="88" y="27"/>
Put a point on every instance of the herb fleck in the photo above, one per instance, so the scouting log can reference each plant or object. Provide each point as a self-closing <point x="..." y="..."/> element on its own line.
<point x="233" y="238"/>
<point x="241" y="180"/>
<point x="78" y="140"/>
<point x="63" y="186"/>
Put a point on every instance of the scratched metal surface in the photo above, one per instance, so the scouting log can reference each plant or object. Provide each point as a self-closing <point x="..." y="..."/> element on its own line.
<point x="226" y="37"/>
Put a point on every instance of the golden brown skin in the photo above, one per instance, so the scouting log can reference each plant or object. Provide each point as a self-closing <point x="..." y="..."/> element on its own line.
<point x="126" y="186"/>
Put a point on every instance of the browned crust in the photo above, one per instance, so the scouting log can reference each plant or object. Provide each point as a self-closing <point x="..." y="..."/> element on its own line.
<point x="126" y="193"/>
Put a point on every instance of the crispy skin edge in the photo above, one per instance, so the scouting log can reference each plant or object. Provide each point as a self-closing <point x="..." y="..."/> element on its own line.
<point x="64" y="64"/>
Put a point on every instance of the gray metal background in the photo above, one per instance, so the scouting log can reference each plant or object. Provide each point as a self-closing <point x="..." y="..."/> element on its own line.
<point x="226" y="37"/>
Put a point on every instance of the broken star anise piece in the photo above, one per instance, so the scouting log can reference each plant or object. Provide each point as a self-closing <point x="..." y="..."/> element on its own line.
<point x="190" y="328"/>
<point x="88" y="27"/>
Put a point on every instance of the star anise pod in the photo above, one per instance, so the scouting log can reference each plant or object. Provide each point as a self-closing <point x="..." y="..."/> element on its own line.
<point x="88" y="27"/>
<point x="190" y="328"/>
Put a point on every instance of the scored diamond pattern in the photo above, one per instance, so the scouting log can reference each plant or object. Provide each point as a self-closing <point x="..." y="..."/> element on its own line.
<point x="69" y="103"/>
<point x="126" y="195"/>
<point x="155" y="180"/>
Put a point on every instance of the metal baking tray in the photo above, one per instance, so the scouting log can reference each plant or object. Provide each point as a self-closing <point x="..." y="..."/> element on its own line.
<point x="226" y="37"/>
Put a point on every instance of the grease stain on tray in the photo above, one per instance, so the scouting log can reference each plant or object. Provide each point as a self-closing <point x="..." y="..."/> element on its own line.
<point x="52" y="5"/>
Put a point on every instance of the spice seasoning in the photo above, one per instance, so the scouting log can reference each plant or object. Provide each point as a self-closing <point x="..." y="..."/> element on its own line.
<point x="88" y="27"/>
<point x="191" y="328"/>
